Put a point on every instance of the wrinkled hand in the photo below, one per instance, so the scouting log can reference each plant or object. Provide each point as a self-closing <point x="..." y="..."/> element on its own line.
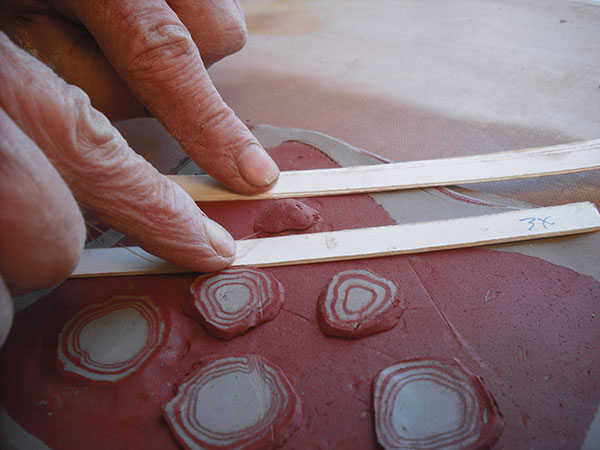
<point x="57" y="150"/>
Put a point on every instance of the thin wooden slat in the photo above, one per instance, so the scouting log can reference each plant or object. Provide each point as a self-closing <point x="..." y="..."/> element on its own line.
<point x="409" y="175"/>
<point x="510" y="226"/>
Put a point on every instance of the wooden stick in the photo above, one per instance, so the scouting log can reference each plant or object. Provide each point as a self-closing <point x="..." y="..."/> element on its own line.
<point x="409" y="175"/>
<point x="510" y="226"/>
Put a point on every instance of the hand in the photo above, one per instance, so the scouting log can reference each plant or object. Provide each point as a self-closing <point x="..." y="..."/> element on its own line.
<point x="57" y="150"/>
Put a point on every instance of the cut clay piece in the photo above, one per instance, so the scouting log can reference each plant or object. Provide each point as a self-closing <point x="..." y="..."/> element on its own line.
<point x="111" y="340"/>
<point x="234" y="402"/>
<point x="434" y="403"/>
<point x="286" y="215"/>
<point x="230" y="302"/>
<point x="357" y="303"/>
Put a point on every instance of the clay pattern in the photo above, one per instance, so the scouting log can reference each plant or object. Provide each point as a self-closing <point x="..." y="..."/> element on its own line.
<point x="358" y="303"/>
<point x="111" y="340"/>
<point x="232" y="301"/>
<point x="433" y="404"/>
<point x="234" y="402"/>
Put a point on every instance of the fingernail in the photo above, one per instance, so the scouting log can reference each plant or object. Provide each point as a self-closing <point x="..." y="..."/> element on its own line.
<point x="256" y="166"/>
<point x="220" y="240"/>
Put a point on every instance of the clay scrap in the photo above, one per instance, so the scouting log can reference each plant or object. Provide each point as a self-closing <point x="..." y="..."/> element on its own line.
<point x="286" y="215"/>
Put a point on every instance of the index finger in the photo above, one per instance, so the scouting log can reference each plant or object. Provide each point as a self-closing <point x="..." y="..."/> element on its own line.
<point x="104" y="174"/>
<point x="155" y="54"/>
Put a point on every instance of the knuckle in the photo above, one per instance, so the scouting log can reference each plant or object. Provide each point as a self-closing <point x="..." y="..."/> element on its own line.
<point x="162" y="47"/>
<point x="91" y="139"/>
<point x="220" y="36"/>
<point x="216" y="116"/>
<point x="229" y="36"/>
<point x="165" y="205"/>
<point x="235" y="34"/>
<point x="94" y="131"/>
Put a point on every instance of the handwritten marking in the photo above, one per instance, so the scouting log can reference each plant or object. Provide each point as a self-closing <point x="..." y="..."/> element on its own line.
<point x="532" y="221"/>
<point x="546" y="221"/>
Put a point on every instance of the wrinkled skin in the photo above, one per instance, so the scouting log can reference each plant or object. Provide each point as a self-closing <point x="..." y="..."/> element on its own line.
<point x="101" y="61"/>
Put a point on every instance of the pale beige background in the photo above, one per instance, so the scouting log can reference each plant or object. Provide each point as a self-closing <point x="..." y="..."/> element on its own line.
<point x="427" y="78"/>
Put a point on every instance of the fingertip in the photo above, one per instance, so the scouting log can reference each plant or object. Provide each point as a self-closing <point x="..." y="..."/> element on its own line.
<point x="42" y="232"/>
<point x="256" y="166"/>
<point x="220" y="240"/>
<point x="6" y="311"/>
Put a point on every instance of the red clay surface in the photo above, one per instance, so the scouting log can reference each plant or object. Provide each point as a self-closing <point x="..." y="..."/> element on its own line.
<point x="527" y="327"/>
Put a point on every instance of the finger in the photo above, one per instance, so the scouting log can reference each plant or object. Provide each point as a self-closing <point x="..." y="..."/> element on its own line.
<point x="73" y="54"/>
<point x="6" y="312"/>
<point x="155" y="54"/>
<point x="41" y="229"/>
<point x="105" y="175"/>
<point x="218" y="27"/>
